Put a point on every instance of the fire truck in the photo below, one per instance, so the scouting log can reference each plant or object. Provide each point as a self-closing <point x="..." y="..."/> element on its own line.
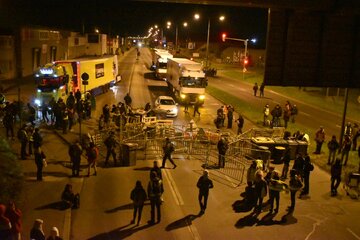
<point x="94" y="75"/>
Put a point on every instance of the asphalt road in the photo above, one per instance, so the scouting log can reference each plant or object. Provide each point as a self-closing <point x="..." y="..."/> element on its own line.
<point x="105" y="211"/>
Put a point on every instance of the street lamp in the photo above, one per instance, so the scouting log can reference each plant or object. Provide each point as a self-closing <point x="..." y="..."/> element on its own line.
<point x="245" y="41"/>
<point x="168" y="26"/>
<point x="197" y="17"/>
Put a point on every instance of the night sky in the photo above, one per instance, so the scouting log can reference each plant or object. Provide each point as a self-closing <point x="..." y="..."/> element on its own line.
<point x="128" y="18"/>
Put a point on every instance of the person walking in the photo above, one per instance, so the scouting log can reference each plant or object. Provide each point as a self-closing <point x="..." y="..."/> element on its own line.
<point x="40" y="161"/>
<point x="240" y="124"/>
<point x="110" y="143"/>
<point x="262" y="87"/>
<point x="319" y="139"/>
<point x="92" y="153"/>
<point x="186" y="105"/>
<point x="295" y="184"/>
<point x="5" y="224"/>
<point x="222" y="147"/>
<point x="75" y="151"/>
<point x="156" y="169"/>
<point x="308" y="167"/>
<point x="155" y="190"/>
<point x="37" y="232"/>
<point x="336" y="169"/>
<point x="138" y="196"/>
<point x="260" y="186"/>
<point x="204" y="184"/>
<point x="333" y="146"/>
<point x="54" y="234"/>
<point x="345" y="149"/>
<point x="168" y="149"/>
<point x="255" y="89"/>
<point x="14" y="215"/>
<point x="196" y="107"/>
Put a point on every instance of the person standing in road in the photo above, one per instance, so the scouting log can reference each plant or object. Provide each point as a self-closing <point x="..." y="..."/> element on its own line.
<point x="110" y="143"/>
<point x="65" y="121"/>
<point x="14" y="215"/>
<point x="222" y="147"/>
<point x="286" y="160"/>
<point x="186" y="105"/>
<point x="37" y="232"/>
<point x="262" y="87"/>
<point x="54" y="234"/>
<point x="92" y="154"/>
<point x="23" y="137"/>
<point x="230" y="115"/>
<point x="138" y="196"/>
<point x="40" y="161"/>
<point x="319" y="139"/>
<point x="155" y="190"/>
<point x="255" y="89"/>
<point x="308" y="167"/>
<point x="260" y="189"/>
<point x="75" y="151"/>
<point x="333" y="146"/>
<point x="204" y="184"/>
<point x="294" y="113"/>
<point x="295" y="184"/>
<point x="156" y="169"/>
<point x="345" y="149"/>
<point x="8" y="122"/>
<point x="168" y="149"/>
<point x="274" y="191"/>
<point x="240" y="124"/>
<point x="37" y="138"/>
<point x="335" y="176"/>
<point x="266" y="112"/>
<point x="127" y="99"/>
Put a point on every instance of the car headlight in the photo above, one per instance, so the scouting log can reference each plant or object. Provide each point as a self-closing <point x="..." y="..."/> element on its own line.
<point x="175" y="110"/>
<point x="183" y="96"/>
<point x="39" y="91"/>
<point x="202" y="97"/>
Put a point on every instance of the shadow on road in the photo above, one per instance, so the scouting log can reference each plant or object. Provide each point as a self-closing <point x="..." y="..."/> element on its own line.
<point x="119" y="233"/>
<point x="59" y="205"/>
<point x="183" y="222"/>
<point x="267" y="220"/>
<point x="142" y="169"/>
<point x="123" y="207"/>
<point x="150" y="75"/>
<point x="248" y="220"/>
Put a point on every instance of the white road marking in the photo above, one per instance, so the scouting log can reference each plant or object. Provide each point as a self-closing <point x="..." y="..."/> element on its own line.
<point x="174" y="190"/>
<point x="317" y="222"/>
<point x="354" y="234"/>
<point x="306" y="114"/>
<point x="338" y="126"/>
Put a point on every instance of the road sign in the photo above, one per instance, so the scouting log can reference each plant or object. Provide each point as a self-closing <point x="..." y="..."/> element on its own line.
<point x="85" y="76"/>
<point x="85" y="82"/>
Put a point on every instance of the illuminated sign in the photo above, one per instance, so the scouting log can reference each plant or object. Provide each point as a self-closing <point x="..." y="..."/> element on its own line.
<point x="46" y="71"/>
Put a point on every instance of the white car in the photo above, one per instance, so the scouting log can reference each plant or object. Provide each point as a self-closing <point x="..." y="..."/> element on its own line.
<point x="166" y="105"/>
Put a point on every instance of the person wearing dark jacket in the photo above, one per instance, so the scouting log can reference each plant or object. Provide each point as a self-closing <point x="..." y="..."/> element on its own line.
<point x="240" y="124"/>
<point x="222" y="147"/>
<point x="155" y="190"/>
<point x="168" y="149"/>
<point x="138" y="196"/>
<point x="204" y="184"/>
<point x="70" y="198"/>
<point x="333" y="146"/>
<point x="308" y="167"/>
<point x="156" y="169"/>
<point x="37" y="232"/>
<point x="286" y="160"/>
<point x="39" y="161"/>
<point x="23" y="137"/>
<point x="75" y="151"/>
<point x="110" y="143"/>
<point x="37" y="138"/>
<point x="295" y="184"/>
<point x="5" y="224"/>
<point x="345" y="149"/>
<point x="335" y="176"/>
<point x="230" y="115"/>
<point x="260" y="189"/>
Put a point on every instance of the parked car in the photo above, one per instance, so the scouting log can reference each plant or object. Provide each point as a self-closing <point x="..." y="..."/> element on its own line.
<point x="166" y="105"/>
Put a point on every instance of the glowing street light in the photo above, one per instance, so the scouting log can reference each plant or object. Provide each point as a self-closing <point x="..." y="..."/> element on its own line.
<point x="221" y="18"/>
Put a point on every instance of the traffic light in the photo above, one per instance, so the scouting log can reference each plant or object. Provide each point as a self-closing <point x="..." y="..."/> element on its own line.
<point x="223" y="37"/>
<point x="246" y="61"/>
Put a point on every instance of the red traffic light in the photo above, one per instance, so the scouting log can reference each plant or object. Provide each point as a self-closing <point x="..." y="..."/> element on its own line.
<point x="223" y="37"/>
<point x="246" y="61"/>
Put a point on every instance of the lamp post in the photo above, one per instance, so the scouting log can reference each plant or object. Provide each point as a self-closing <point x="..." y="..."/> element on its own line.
<point x="168" y="26"/>
<point x="197" y="17"/>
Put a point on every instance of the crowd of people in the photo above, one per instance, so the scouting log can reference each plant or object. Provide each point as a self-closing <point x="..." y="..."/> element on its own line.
<point x="227" y="112"/>
<point x="288" y="114"/>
